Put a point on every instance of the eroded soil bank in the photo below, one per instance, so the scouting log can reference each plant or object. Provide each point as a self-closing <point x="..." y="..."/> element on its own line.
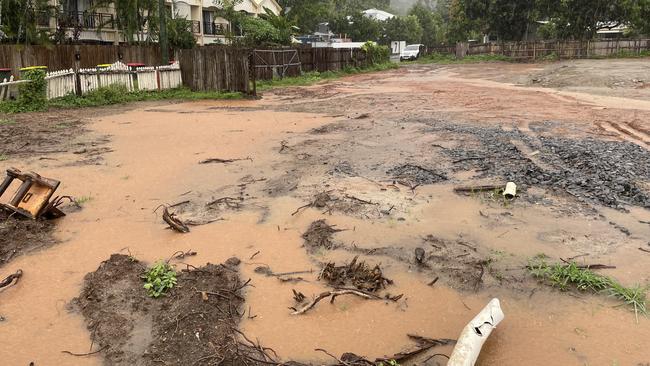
<point x="377" y="157"/>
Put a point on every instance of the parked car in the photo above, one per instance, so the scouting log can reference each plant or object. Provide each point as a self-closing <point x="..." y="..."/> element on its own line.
<point x="411" y="52"/>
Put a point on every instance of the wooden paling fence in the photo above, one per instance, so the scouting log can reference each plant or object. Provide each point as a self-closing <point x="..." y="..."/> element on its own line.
<point x="530" y="51"/>
<point x="63" y="57"/>
<point x="282" y="62"/>
<point x="216" y="67"/>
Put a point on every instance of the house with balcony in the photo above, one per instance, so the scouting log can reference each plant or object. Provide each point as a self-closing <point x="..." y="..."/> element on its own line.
<point x="81" y="21"/>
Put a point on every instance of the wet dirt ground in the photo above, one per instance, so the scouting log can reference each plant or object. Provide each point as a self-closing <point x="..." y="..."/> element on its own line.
<point x="387" y="150"/>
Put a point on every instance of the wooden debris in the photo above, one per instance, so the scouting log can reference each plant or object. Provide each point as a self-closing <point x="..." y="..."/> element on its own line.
<point x="423" y="344"/>
<point x="333" y="295"/>
<point x="10" y="279"/>
<point x="180" y="254"/>
<point x="590" y="266"/>
<point x="223" y="161"/>
<point x="483" y="188"/>
<point x="174" y="222"/>
<point x="230" y="202"/>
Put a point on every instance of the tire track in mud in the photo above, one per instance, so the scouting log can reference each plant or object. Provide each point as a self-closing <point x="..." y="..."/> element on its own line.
<point x="625" y="132"/>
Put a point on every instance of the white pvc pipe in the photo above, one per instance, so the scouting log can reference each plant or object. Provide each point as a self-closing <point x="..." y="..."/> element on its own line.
<point x="475" y="334"/>
<point x="511" y="190"/>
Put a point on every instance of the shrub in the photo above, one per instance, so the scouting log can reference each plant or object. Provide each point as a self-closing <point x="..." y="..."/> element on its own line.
<point x="32" y="96"/>
<point x="375" y="53"/>
<point x="259" y="32"/>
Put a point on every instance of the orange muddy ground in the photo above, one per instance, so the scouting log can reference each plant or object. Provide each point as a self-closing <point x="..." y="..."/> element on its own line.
<point x="154" y="161"/>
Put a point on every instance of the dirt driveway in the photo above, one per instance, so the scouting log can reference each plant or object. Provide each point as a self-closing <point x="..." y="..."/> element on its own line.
<point x="377" y="156"/>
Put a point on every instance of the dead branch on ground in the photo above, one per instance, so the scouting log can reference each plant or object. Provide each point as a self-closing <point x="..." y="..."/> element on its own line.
<point x="333" y="295"/>
<point x="84" y="354"/>
<point x="174" y="222"/>
<point x="10" y="279"/>
<point x="590" y="266"/>
<point x="223" y="161"/>
<point x="230" y="202"/>
<point x="423" y="344"/>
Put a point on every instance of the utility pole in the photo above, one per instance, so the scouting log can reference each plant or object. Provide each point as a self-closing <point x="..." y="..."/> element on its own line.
<point x="162" y="39"/>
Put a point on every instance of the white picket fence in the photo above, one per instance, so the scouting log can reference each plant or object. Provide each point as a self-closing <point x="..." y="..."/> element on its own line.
<point x="116" y="74"/>
<point x="170" y="76"/>
<point x="159" y="78"/>
<point x="147" y="78"/>
<point x="64" y="82"/>
<point x="9" y="88"/>
<point x="60" y="83"/>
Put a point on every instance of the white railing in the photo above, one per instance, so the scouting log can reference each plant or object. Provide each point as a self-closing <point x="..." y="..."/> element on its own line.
<point x="60" y="83"/>
<point x="170" y="76"/>
<point x="9" y="88"/>
<point x="64" y="82"/>
<point x="147" y="78"/>
<point x="159" y="78"/>
<point x="116" y="74"/>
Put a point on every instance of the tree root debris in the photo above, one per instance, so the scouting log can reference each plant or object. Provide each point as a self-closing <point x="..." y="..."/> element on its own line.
<point x="357" y="274"/>
<point x="319" y="235"/>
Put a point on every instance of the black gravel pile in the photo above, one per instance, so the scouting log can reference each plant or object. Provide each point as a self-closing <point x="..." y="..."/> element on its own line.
<point x="416" y="175"/>
<point x="609" y="172"/>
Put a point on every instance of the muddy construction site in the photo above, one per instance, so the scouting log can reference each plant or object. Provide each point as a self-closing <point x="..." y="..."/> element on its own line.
<point x="354" y="222"/>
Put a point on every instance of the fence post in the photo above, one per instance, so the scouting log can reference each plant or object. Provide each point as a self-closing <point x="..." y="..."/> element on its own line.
<point x="252" y="72"/>
<point x="77" y="66"/>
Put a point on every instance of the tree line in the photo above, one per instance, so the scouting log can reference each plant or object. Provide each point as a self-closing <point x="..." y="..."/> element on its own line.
<point x="449" y="21"/>
<point x="431" y="22"/>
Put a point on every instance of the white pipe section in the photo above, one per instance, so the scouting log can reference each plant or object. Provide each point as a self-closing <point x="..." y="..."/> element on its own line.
<point x="475" y="334"/>
<point x="511" y="190"/>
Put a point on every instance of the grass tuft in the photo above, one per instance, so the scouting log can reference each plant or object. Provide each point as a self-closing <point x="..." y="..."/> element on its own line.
<point x="83" y="200"/>
<point x="568" y="275"/>
<point x="441" y="58"/>
<point x="3" y="157"/>
<point x="118" y="94"/>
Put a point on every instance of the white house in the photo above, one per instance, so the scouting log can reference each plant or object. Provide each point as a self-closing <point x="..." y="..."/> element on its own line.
<point x="377" y="14"/>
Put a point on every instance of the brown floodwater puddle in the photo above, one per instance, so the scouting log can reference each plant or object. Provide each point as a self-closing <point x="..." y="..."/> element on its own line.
<point x="155" y="161"/>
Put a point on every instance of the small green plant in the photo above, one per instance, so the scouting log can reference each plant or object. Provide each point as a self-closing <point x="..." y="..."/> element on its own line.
<point x="83" y="200"/>
<point x="550" y="57"/>
<point x="390" y="363"/>
<point x="3" y="157"/>
<point x="159" y="278"/>
<point x="5" y="122"/>
<point x="567" y="275"/>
